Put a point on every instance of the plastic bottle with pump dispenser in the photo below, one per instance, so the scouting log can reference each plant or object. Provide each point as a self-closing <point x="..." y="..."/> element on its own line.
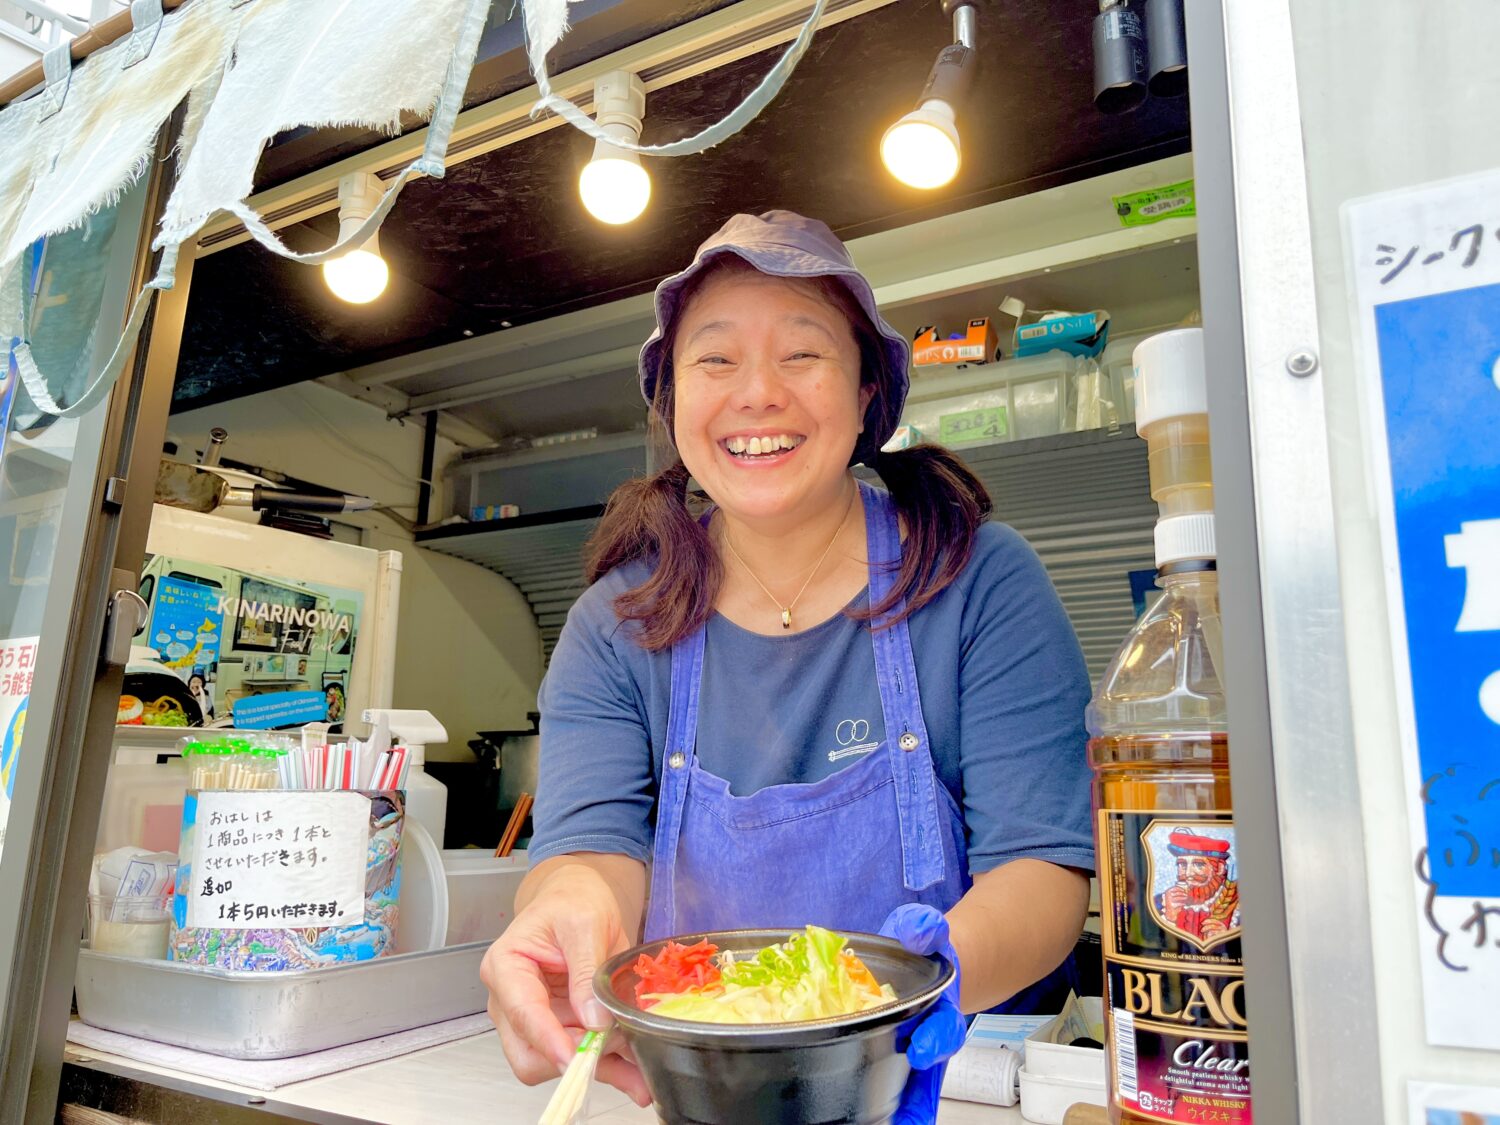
<point x="426" y="796"/>
<point x="1164" y="827"/>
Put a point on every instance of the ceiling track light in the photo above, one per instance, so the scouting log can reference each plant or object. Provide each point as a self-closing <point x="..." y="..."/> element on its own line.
<point x="613" y="185"/>
<point x="1120" y="57"/>
<point x="360" y="275"/>
<point x="1166" y="48"/>
<point x="922" y="149"/>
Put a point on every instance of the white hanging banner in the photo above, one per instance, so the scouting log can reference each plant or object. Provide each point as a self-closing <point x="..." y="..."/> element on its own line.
<point x="1426" y="268"/>
<point x="249" y="72"/>
<point x="102" y="139"/>
<point x="388" y="61"/>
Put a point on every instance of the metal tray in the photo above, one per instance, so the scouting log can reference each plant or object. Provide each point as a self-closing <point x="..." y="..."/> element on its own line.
<point x="245" y="1015"/>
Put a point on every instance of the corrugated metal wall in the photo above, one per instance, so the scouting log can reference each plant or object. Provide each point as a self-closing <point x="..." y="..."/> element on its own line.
<point x="1082" y="500"/>
<point x="1085" y="505"/>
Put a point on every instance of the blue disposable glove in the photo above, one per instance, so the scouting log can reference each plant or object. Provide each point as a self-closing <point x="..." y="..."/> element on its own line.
<point x="932" y="1039"/>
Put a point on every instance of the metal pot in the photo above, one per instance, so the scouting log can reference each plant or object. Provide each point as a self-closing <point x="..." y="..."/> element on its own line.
<point x="847" y="1069"/>
<point x="518" y="764"/>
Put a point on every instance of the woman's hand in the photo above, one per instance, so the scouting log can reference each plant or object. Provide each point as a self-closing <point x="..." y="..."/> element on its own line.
<point x="935" y="1038"/>
<point x="574" y="913"/>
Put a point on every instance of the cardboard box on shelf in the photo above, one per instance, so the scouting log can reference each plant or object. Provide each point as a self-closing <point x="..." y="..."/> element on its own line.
<point x="1082" y="334"/>
<point x="978" y="344"/>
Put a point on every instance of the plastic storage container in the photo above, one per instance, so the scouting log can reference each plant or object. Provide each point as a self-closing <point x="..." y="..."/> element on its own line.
<point x="1005" y="401"/>
<point x="1057" y="1076"/>
<point x="481" y="892"/>
<point x="143" y="804"/>
<point x="1117" y="364"/>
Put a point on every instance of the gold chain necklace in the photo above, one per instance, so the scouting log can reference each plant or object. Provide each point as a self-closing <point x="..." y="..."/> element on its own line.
<point x="786" y="610"/>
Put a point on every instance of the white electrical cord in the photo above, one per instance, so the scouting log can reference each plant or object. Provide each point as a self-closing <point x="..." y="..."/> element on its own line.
<point x="546" y="22"/>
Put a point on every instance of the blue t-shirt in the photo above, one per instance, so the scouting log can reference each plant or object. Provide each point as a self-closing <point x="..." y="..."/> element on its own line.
<point x="1003" y="688"/>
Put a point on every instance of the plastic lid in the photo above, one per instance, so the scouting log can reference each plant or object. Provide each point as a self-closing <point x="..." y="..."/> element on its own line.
<point x="1170" y="377"/>
<point x="1185" y="537"/>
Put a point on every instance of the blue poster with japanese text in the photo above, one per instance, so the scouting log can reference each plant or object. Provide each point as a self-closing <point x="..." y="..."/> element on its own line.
<point x="1440" y="367"/>
<point x="1426" y="269"/>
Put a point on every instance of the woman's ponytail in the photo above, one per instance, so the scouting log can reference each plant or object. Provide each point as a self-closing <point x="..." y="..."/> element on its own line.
<point x="942" y="504"/>
<point x="648" y="518"/>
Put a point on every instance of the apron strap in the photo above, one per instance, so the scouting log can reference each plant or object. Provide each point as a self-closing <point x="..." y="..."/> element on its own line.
<point x="677" y="760"/>
<point x="901" y="703"/>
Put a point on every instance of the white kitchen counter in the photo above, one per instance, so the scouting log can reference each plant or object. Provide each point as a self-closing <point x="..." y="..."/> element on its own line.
<point x="455" y="1084"/>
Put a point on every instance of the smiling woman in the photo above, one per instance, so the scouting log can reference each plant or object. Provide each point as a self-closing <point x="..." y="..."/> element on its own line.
<point x="822" y="703"/>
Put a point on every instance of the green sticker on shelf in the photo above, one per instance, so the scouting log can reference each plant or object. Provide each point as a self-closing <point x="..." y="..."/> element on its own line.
<point x="1175" y="201"/>
<point x="972" y="425"/>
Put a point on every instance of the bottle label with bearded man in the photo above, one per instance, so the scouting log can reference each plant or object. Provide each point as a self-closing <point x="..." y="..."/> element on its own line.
<point x="1174" y="974"/>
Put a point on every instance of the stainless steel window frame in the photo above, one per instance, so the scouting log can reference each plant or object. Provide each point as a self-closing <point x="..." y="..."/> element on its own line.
<point x="100" y="545"/>
<point x="1309" y="967"/>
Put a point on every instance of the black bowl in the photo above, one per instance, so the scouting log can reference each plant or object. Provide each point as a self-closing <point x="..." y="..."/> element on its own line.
<point x="812" y="1072"/>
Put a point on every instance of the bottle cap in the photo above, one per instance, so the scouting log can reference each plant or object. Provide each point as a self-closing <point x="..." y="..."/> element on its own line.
<point x="1184" y="538"/>
<point x="1170" y="376"/>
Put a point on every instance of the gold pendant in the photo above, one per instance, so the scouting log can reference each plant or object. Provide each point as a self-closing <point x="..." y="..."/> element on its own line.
<point x="786" y="619"/>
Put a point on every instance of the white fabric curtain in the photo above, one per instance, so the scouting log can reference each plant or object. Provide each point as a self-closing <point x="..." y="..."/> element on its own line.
<point x="249" y="69"/>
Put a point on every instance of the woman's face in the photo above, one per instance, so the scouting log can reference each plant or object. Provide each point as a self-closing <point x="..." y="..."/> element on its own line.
<point x="768" y="399"/>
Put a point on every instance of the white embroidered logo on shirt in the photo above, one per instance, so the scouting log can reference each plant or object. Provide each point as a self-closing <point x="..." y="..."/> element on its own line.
<point x="852" y="736"/>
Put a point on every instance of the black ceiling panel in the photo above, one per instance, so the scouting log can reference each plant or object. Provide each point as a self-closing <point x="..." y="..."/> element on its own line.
<point x="505" y="238"/>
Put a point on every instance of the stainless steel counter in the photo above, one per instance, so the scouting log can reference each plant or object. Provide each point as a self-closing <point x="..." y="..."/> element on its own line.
<point x="452" y="1084"/>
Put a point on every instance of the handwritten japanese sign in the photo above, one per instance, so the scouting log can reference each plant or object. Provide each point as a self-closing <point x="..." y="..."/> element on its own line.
<point x="1426" y="264"/>
<point x="272" y="860"/>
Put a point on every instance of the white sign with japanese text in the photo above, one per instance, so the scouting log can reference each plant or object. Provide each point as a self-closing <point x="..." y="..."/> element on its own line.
<point x="274" y="860"/>
<point x="17" y="662"/>
<point x="1426" y="268"/>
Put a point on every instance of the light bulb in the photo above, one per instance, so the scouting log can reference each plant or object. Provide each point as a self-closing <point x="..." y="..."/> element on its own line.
<point x="921" y="150"/>
<point x="358" y="276"/>
<point x="614" y="186"/>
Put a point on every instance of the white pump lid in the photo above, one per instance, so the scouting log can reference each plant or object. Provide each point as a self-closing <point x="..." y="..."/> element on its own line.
<point x="1171" y="382"/>
<point x="1170" y="377"/>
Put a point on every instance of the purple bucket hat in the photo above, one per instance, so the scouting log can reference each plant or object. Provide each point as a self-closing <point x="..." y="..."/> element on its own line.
<point x="784" y="244"/>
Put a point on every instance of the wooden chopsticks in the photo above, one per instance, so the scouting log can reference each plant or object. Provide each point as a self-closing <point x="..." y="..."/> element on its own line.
<point x="513" y="826"/>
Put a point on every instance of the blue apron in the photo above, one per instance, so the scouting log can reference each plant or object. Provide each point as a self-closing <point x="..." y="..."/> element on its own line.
<point x="842" y="852"/>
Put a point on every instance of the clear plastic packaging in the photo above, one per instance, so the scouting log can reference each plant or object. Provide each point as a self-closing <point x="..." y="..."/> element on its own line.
<point x="1010" y="400"/>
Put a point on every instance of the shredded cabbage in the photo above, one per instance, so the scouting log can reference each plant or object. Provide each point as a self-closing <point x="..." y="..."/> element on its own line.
<point x="809" y="976"/>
